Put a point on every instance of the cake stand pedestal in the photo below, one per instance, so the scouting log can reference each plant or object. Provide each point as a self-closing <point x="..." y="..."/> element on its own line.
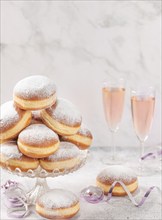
<point x="40" y="188"/>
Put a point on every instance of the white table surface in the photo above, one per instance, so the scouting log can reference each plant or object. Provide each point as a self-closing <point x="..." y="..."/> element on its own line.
<point x="117" y="208"/>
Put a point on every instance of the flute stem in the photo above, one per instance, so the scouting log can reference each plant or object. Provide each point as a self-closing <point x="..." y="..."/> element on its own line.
<point x="113" y="146"/>
<point x="142" y="148"/>
<point x="142" y="153"/>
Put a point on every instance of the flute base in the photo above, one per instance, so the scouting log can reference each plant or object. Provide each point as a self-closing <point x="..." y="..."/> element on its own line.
<point x="111" y="161"/>
<point x="147" y="168"/>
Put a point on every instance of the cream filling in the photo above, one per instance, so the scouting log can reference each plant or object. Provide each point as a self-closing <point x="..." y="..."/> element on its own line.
<point x="61" y="212"/>
<point x="17" y="128"/>
<point x="64" y="164"/>
<point x="19" y="163"/>
<point x="79" y="139"/>
<point x="58" y="127"/>
<point x="117" y="189"/>
<point x="34" y="104"/>
<point x="38" y="150"/>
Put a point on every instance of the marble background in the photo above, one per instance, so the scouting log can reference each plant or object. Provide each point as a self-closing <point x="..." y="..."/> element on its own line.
<point x="78" y="44"/>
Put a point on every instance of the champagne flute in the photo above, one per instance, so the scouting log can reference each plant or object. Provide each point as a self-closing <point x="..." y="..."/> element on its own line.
<point x="113" y="92"/>
<point x="142" y="106"/>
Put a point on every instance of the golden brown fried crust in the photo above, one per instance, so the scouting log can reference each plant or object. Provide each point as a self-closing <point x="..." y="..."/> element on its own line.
<point x="32" y="109"/>
<point x="21" y="114"/>
<point x="44" y="144"/>
<point x="34" y="155"/>
<point x="61" y="217"/>
<point x="77" y="143"/>
<point x="82" y="146"/>
<point x="83" y="142"/>
<point x="55" y="129"/>
<point x="120" y="193"/>
<point x="7" y="165"/>
<point x="24" y="160"/>
<point x="61" y="164"/>
<point x="62" y="121"/>
<point x="14" y="136"/>
<point x="58" y="218"/>
<point x="118" y="189"/>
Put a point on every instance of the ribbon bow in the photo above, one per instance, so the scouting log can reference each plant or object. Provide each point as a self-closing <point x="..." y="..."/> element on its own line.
<point x="15" y="199"/>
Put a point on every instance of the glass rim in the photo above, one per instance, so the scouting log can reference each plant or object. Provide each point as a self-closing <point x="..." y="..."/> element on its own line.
<point x="143" y="91"/>
<point x="142" y="87"/>
<point x="109" y="82"/>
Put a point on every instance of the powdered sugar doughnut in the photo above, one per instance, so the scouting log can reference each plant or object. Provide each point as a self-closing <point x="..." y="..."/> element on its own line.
<point x="38" y="141"/>
<point x="12" y="121"/>
<point x="83" y="138"/>
<point x="117" y="173"/>
<point x="57" y="204"/>
<point x="66" y="158"/>
<point x="11" y="157"/>
<point x="62" y="117"/>
<point x="34" y="93"/>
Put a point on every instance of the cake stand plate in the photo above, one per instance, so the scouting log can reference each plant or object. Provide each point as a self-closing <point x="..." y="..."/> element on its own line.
<point x="40" y="174"/>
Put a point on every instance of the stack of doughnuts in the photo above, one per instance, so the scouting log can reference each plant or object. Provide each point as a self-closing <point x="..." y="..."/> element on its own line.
<point x="37" y="128"/>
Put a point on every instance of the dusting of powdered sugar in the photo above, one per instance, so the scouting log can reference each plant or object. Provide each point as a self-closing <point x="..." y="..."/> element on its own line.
<point x="8" y="115"/>
<point x="65" y="112"/>
<point x="58" y="198"/>
<point x="66" y="151"/>
<point x="84" y="131"/>
<point x="38" y="134"/>
<point x="35" y="86"/>
<point x="117" y="172"/>
<point x="10" y="150"/>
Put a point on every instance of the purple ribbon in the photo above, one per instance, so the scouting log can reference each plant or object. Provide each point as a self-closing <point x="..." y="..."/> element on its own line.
<point x="137" y="204"/>
<point x="9" y="185"/>
<point x="152" y="155"/>
<point x="15" y="199"/>
<point x="94" y="194"/>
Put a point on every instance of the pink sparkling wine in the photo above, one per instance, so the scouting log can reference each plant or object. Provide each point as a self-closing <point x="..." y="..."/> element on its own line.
<point x="113" y="101"/>
<point x="142" y="112"/>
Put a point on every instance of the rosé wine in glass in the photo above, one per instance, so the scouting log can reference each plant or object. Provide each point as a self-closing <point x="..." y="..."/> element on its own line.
<point x="113" y="101"/>
<point x="142" y="106"/>
<point x="142" y="112"/>
<point x="113" y="93"/>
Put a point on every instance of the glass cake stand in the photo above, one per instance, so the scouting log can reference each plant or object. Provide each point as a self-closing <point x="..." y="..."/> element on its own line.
<point x="40" y="174"/>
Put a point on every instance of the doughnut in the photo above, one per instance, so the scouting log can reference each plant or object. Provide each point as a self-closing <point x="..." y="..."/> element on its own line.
<point x="12" y="158"/>
<point x="34" y="93"/>
<point x="117" y="173"/>
<point x="38" y="141"/>
<point x="12" y="121"/>
<point x="57" y="204"/>
<point x="36" y="118"/>
<point x="66" y="158"/>
<point x="82" y="139"/>
<point x="62" y="117"/>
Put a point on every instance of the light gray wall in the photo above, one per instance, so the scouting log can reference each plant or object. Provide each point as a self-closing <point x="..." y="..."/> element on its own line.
<point x="78" y="44"/>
